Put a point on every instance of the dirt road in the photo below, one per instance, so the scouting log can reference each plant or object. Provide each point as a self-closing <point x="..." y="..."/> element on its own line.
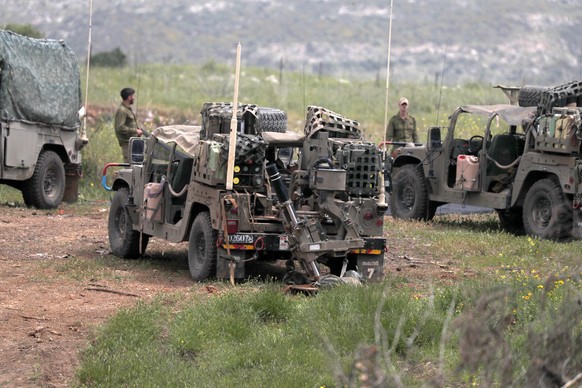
<point x="52" y="295"/>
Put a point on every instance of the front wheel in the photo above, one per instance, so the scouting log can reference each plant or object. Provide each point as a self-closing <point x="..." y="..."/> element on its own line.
<point x="46" y="187"/>
<point x="546" y="213"/>
<point x="123" y="240"/>
<point x="202" y="248"/>
<point x="409" y="198"/>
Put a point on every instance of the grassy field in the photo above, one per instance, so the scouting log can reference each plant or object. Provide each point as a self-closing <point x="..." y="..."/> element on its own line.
<point x="513" y="318"/>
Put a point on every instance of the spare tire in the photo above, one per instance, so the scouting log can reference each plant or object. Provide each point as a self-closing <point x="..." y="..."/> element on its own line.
<point x="271" y="120"/>
<point x="531" y="95"/>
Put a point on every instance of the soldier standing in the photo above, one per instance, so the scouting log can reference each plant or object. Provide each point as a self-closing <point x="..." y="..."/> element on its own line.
<point x="125" y="122"/>
<point x="402" y="126"/>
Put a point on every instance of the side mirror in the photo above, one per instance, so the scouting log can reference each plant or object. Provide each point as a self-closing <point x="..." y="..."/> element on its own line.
<point x="136" y="150"/>
<point x="434" y="139"/>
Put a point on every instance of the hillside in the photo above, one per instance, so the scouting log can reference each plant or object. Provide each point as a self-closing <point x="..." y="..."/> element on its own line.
<point x="498" y="41"/>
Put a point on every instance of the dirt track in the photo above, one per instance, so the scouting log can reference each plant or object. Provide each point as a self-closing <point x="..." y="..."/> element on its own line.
<point x="53" y="295"/>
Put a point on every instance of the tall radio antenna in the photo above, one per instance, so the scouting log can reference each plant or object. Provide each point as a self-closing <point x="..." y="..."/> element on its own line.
<point x="388" y="70"/>
<point x="442" y="78"/>
<point x="84" y="129"/>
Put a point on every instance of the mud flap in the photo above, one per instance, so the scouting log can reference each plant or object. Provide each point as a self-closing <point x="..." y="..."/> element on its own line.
<point x="577" y="223"/>
<point x="224" y="262"/>
<point x="371" y="267"/>
<point x="72" y="175"/>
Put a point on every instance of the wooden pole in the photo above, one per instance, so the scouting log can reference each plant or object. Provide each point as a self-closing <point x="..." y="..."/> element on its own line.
<point x="233" y="124"/>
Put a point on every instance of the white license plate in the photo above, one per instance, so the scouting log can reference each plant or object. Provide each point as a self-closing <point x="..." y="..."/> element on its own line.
<point x="240" y="239"/>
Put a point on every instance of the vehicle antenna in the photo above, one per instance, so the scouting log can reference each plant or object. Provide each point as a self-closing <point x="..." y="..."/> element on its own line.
<point x="388" y="71"/>
<point x="303" y="82"/>
<point x="381" y="177"/>
<point x="84" y="139"/>
<point x="137" y="88"/>
<point x="233" y="124"/>
<point x="442" y="77"/>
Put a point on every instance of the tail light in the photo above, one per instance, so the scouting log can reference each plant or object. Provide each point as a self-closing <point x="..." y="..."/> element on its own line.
<point x="232" y="226"/>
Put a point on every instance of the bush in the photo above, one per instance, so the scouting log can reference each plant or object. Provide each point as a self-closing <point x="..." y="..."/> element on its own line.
<point x="113" y="58"/>
<point x="24" y="29"/>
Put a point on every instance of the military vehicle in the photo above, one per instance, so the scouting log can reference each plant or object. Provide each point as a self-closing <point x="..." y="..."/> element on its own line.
<point x="40" y="127"/>
<point x="312" y="198"/>
<point x="523" y="160"/>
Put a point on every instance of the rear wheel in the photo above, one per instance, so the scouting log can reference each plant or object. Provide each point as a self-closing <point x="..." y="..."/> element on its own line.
<point x="409" y="199"/>
<point x="46" y="187"/>
<point x="123" y="240"/>
<point x="202" y="248"/>
<point x="546" y="213"/>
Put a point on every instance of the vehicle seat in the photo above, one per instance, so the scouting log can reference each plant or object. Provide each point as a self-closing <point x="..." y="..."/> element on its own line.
<point x="504" y="150"/>
<point x="459" y="147"/>
<point x="182" y="174"/>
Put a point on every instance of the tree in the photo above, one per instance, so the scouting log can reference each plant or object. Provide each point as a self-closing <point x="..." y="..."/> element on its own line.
<point x="24" y="29"/>
<point x="113" y="58"/>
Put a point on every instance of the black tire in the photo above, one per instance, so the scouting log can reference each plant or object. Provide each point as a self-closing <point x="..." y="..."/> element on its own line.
<point x="511" y="221"/>
<point x="124" y="241"/>
<point x="46" y="187"/>
<point x="546" y="213"/>
<point x="409" y="198"/>
<point x="530" y="95"/>
<point x="271" y="120"/>
<point x="202" y="248"/>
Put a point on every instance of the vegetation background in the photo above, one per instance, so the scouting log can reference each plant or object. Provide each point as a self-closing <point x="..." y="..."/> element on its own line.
<point x="497" y="41"/>
<point x="515" y="322"/>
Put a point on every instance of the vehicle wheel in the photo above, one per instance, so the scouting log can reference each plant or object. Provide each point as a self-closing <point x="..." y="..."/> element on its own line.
<point x="511" y="221"/>
<point x="271" y="120"/>
<point x="123" y="240"/>
<point x="202" y="248"/>
<point x="46" y="187"/>
<point x="546" y="213"/>
<point x="409" y="199"/>
<point x="530" y="95"/>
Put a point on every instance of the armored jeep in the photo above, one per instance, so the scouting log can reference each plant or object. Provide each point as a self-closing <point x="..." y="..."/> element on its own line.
<point x="522" y="160"/>
<point x="40" y="139"/>
<point x="311" y="198"/>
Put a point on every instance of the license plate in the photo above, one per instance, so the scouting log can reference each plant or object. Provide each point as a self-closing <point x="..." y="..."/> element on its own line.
<point x="240" y="239"/>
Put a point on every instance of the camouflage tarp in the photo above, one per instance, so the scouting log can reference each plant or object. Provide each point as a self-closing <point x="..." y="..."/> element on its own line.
<point x="39" y="81"/>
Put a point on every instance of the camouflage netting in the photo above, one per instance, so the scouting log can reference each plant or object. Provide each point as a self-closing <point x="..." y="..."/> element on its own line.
<point x="39" y="81"/>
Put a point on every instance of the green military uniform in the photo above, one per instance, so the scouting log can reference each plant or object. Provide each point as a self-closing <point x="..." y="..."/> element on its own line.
<point x="125" y="128"/>
<point x="400" y="129"/>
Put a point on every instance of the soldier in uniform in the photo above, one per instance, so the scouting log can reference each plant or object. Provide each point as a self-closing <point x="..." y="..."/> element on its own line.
<point x="402" y="126"/>
<point x="125" y="122"/>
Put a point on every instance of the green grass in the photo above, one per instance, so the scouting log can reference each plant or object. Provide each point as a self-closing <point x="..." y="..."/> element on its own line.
<point x="478" y="242"/>
<point x="256" y="336"/>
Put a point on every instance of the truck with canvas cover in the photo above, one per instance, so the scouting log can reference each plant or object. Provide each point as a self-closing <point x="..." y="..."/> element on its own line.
<point x="311" y="198"/>
<point x="40" y="127"/>
<point x="524" y="160"/>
